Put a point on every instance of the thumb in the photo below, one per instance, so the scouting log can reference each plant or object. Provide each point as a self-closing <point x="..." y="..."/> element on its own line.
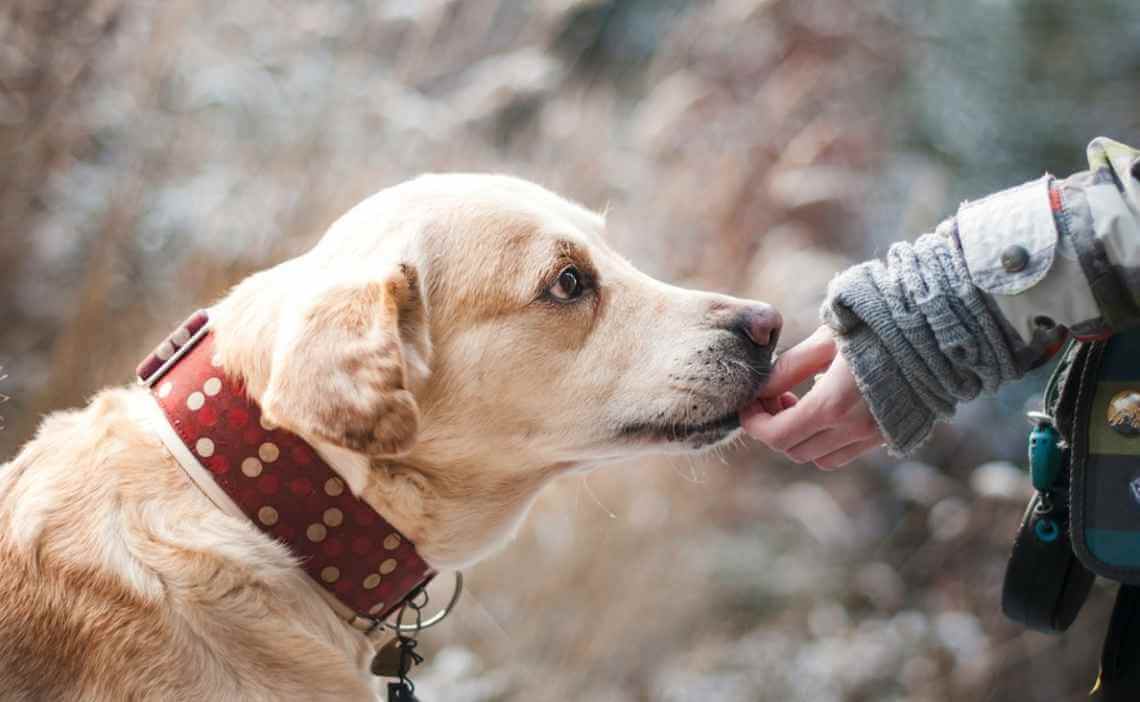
<point x="802" y="361"/>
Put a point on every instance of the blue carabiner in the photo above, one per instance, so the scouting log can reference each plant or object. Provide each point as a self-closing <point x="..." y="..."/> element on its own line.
<point x="1044" y="456"/>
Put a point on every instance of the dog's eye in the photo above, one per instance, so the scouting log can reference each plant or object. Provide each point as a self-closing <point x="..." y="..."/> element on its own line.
<point x="569" y="284"/>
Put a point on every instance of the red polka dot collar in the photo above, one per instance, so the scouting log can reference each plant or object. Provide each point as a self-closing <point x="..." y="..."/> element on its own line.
<point x="274" y="478"/>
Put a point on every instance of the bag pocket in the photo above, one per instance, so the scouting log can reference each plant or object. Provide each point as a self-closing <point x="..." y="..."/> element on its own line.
<point x="1105" y="465"/>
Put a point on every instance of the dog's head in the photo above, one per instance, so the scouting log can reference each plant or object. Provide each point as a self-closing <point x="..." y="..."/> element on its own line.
<point x="468" y="337"/>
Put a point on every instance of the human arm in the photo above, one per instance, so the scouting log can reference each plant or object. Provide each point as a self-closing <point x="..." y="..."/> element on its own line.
<point x="959" y="312"/>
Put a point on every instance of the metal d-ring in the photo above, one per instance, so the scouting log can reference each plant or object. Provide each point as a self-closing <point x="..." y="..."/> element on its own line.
<point x="436" y="618"/>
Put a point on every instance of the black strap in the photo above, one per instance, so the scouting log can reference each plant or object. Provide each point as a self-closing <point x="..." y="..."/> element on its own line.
<point x="1061" y="392"/>
<point x="1120" y="661"/>
<point x="1045" y="584"/>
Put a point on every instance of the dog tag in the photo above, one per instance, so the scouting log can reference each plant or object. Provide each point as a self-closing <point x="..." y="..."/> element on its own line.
<point x="400" y="692"/>
<point x="388" y="659"/>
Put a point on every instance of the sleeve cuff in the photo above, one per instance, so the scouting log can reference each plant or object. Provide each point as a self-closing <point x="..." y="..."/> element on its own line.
<point x="858" y="314"/>
<point x="903" y="418"/>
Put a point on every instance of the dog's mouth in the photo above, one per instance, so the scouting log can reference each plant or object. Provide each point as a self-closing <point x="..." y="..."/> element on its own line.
<point x="705" y="410"/>
<point x="697" y="435"/>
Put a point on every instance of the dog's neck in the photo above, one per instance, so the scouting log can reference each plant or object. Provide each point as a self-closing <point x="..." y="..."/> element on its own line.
<point x="456" y="514"/>
<point x="251" y="468"/>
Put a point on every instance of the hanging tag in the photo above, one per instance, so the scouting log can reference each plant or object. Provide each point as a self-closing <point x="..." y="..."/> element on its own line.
<point x="387" y="662"/>
<point x="400" y="692"/>
<point x="402" y="651"/>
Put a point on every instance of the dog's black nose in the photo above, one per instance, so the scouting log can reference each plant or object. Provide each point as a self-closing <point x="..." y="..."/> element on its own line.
<point x="759" y="323"/>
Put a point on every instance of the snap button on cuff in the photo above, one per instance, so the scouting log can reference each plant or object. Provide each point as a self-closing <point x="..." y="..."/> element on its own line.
<point x="1014" y="259"/>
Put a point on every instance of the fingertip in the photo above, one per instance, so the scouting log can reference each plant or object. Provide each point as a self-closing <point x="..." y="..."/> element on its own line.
<point x="788" y="400"/>
<point x="752" y="420"/>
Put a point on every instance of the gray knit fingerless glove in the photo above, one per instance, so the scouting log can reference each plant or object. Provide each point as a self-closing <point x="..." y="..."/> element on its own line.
<point x="918" y="336"/>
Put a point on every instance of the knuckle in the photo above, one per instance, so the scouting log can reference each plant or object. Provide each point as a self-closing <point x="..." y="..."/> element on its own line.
<point x="797" y="456"/>
<point x="832" y="462"/>
<point x="781" y="443"/>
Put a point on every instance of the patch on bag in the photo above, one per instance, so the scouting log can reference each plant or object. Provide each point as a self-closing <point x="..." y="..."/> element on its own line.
<point x="1124" y="412"/>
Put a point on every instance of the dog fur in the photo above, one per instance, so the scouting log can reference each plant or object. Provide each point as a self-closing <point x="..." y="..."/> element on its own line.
<point x="422" y="347"/>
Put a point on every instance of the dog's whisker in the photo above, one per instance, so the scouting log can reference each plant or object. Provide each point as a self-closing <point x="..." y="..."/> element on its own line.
<point x="692" y="471"/>
<point x="590" y="491"/>
<point x="752" y="370"/>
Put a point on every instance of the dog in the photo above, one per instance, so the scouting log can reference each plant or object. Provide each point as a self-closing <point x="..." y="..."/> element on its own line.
<point x="448" y="347"/>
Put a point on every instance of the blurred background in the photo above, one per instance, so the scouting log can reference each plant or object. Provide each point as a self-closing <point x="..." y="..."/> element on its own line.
<point x="154" y="153"/>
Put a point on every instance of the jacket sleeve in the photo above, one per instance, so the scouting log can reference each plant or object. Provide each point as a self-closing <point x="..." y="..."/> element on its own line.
<point x="991" y="293"/>
<point x="1075" y="261"/>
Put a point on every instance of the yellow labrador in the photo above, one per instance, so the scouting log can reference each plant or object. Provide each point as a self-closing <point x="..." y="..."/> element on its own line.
<point x="448" y="347"/>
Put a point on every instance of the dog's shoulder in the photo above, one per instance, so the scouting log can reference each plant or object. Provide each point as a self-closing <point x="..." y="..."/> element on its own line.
<point x="119" y="579"/>
<point x="70" y="623"/>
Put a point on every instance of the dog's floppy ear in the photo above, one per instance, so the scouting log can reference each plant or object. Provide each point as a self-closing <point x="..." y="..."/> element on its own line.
<point x="340" y="367"/>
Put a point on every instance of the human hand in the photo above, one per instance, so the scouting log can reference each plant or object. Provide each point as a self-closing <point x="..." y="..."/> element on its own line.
<point x="830" y="425"/>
